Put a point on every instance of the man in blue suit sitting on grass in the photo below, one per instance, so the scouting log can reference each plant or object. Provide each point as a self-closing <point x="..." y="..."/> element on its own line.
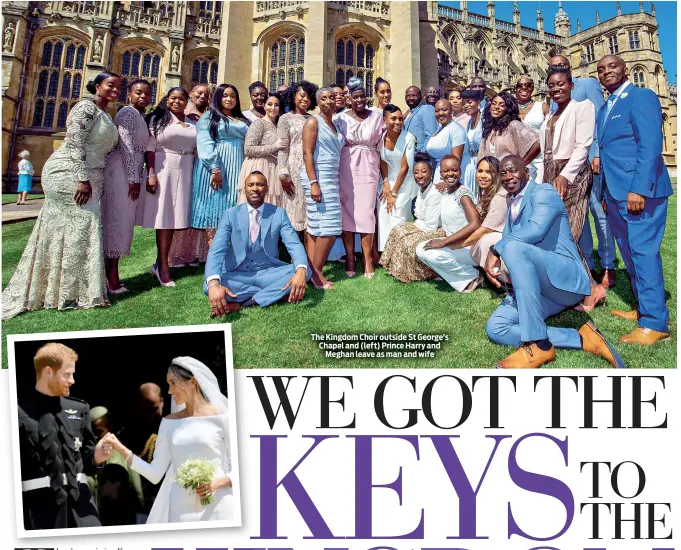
<point x="636" y="189"/>
<point x="547" y="273"/>
<point x="243" y="267"/>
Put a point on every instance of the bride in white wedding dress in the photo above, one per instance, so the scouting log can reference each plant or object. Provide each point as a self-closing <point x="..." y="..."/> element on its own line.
<point x="200" y="430"/>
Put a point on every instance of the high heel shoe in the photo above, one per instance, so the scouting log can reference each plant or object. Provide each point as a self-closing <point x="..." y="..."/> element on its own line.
<point x="597" y="297"/>
<point x="154" y="271"/>
<point x="121" y="290"/>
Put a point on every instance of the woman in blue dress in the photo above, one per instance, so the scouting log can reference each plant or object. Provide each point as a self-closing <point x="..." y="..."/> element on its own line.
<point x="450" y="139"/>
<point x="221" y="133"/>
<point x="322" y="145"/>
<point x="471" y="106"/>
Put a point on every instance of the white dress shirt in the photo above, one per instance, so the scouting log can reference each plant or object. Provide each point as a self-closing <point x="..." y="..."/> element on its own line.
<point x="516" y="202"/>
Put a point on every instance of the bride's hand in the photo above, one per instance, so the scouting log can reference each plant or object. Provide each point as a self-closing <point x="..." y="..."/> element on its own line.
<point x="208" y="489"/>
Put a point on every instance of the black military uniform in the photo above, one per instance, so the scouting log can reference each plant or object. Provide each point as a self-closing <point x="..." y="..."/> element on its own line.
<point x="57" y="449"/>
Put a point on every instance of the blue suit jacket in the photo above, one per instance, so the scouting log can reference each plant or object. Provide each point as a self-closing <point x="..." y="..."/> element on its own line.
<point x="631" y="146"/>
<point x="230" y="244"/>
<point x="587" y="88"/>
<point x="422" y="124"/>
<point x="543" y="222"/>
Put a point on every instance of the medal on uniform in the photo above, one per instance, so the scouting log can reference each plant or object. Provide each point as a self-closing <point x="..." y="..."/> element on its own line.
<point x="78" y="443"/>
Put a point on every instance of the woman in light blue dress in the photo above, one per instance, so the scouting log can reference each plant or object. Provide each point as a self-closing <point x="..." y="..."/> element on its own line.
<point x="322" y="146"/>
<point x="471" y="105"/>
<point x="450" y="139"/>
<point x="221" y="133"/>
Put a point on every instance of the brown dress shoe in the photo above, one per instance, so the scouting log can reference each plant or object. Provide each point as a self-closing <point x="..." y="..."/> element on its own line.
<point x="626" y="315"/>
<point x="644" y="336"/>
<point x="528" y="356"/>
<point x="594" y="342"/>
<point x="608" y="280"/>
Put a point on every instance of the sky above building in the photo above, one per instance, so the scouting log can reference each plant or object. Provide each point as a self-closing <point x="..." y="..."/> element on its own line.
<point x="666" y="12"/>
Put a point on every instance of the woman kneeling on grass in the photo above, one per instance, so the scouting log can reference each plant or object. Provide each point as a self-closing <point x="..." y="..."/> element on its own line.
<point x="399" y="257"/>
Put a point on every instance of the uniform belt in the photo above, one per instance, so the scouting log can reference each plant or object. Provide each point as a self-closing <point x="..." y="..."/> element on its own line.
<point x="180" y="152"/>
<point x="44" y="482"/>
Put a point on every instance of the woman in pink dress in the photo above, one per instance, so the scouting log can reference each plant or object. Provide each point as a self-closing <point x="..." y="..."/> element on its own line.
<point x="359" y="171"/>
<point x="165" y="203"/>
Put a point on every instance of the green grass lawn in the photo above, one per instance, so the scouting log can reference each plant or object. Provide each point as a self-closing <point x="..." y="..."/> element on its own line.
<point x="12" y="197"/>
<point x="279" y="336"/>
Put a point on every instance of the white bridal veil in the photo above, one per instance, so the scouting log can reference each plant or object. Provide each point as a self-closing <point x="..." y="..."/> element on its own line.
<point x="211" y="390"/>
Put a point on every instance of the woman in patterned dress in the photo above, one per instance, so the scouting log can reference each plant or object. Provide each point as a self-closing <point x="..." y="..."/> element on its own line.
<point x="261" y="147"/>
<point x="399" y="257"/>
<point x="63" y="263"/>
<point x="300" y="98"/>
<point x="123" y="174"/>
<point x="220" y="144"/>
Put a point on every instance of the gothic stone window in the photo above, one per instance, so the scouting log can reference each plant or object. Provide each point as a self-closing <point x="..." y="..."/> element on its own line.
<point x="590" y="53"/>
<point x="140" y="62"/>
<point x="60" y="81"/>
<point x="639" y="77"/>
<point x="613" y="46"/>
<point x="210" y="10"/>
<point x="634" y="41"/>
<point x="287" y="61"/>
<point x="205" y="71"/>
<point x="355" y="56"/>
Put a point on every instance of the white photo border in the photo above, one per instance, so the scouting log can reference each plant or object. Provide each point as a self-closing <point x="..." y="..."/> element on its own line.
<point x="21" y="532"/>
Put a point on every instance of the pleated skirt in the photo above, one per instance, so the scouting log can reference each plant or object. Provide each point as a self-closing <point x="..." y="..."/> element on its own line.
<point x="208" y="204"/>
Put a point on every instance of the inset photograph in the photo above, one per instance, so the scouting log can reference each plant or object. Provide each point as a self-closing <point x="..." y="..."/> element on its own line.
<point x="124" y="430"/>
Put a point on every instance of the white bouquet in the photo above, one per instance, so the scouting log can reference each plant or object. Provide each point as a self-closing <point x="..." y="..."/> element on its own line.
<point x="195" y="472"/>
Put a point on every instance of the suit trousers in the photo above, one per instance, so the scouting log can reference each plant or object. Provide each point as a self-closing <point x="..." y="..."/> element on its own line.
<point x="639" y="238"/>
<point x="457" y="267"/>
<point x="264" y="286"/>
<point x="606" y="241"/>
<point x="521" y="316"/>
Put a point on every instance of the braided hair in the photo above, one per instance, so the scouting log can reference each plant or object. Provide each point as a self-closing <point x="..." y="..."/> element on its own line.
<point x="161" y="116"/>
<point x="216" y="115"/>
<point x="489" y="124"/>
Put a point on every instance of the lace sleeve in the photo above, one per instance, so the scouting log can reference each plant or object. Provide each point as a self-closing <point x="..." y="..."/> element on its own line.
<point x="79" y="123"/>
<point x="127" y="121"/>
<point x="254" y="146"/>
<point x="282" y="156"/>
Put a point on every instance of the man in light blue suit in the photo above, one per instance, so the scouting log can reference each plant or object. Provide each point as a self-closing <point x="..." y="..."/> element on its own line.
<point x="547" y="273"/>
<point x="243" y="266"/>
<point x="588" y="88"/>
<point x="636" y="189"/>
<point x="421" y="120"/>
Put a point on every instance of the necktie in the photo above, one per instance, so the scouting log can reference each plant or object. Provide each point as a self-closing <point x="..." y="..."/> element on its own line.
<point x="608" y="108"/>
<point x="255" y="225"/>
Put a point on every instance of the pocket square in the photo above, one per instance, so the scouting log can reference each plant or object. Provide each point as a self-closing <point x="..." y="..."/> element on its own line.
<point x="616" y="116"/>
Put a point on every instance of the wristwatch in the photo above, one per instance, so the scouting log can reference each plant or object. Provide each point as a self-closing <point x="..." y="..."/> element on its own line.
<point x="393" y="194"/>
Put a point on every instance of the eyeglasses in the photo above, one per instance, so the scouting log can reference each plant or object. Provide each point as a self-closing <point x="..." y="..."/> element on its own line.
<point x="560" y="66"/>
<point x="526" y="85"/>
